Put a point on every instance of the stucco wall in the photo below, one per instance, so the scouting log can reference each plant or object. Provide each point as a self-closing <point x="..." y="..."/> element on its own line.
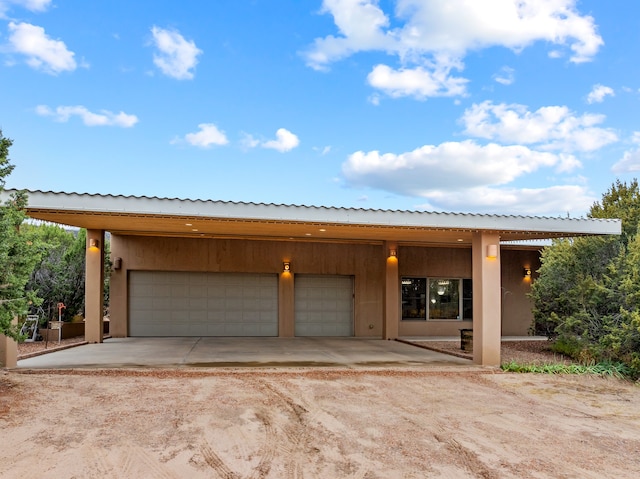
<point x="366" y="263"/>
<point x="516" y="305"/>
<point x="434" y="262"/>
<point x="456" y="263"/>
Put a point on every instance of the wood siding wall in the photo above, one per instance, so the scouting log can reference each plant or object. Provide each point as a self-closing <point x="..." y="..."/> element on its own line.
<point x="366" y="263"/>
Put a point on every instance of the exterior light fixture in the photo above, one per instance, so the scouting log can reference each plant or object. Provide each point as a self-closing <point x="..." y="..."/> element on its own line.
<point x="393" y="253"/>
<point x="526" y="272"/>
<point x="492" y="251"/>
<point x="94" y="243"/>
<point x="286" y="267"/>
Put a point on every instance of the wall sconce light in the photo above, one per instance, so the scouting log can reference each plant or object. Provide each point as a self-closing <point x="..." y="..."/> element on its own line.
<point x="117" y="263"/>
<point x="526" y="272"/>
<point x="492" y="251"/>
<point x="94" y="243"/>
<point x="286" y="267"/>
<point x="393" y="253"/>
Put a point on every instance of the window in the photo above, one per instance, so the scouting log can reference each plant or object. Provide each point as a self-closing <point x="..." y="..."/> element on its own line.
<point x="436" y="299"/>
<point x="414" y="298"/>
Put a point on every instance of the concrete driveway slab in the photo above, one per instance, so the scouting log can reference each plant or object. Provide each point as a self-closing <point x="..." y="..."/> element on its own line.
<point x="242" y="352"/>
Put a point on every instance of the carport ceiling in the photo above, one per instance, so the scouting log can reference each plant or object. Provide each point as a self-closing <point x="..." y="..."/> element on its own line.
<point x="189" y="218"/>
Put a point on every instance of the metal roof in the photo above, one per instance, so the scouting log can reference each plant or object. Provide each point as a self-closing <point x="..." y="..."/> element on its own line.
<point x="170" y="216"/>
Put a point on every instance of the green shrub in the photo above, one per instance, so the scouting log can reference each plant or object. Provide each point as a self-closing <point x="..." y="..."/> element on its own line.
<point x="604" y="369"/>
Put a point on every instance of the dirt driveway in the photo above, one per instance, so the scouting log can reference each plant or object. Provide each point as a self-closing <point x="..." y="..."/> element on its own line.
<point x="316" y="424"/>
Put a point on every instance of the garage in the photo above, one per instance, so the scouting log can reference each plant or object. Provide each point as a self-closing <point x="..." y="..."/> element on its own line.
<point x="165" y="303"/>
<point x="323" y="305"/>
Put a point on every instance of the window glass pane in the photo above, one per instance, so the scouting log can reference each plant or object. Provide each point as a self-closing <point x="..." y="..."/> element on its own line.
<point x="444" y="298"/>
<point x="414" y="298"/>
<point x="467" y="299"/>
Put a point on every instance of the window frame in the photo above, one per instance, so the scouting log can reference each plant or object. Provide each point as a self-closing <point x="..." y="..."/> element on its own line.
<point x="465" y="298"/>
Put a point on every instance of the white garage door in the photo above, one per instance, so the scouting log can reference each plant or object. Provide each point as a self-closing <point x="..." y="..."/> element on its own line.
<point x="323" y="305"/>
<point x="202" y="304"/>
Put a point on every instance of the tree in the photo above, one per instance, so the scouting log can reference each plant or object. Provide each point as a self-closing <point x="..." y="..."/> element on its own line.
<point x="59" y="275"/>
<point x="587" y="296"/>
<point x="621" y="201"/>
<point x="18" y="255"/>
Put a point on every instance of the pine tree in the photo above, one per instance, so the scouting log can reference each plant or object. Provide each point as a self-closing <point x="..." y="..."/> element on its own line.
<point x="18" y="255"/>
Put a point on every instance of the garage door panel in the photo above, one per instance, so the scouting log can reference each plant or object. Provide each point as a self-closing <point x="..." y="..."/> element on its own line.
<point x="199" y="304"/>
<point x="162" y="303"/>
<point x="323" y="305"/>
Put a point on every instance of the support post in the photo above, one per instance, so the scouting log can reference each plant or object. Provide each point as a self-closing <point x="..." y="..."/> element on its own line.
<point x="486" y="299"/>
<point x="391" y="295"/>
<point x="94" y="287"/>
<point x="8" y="352"/>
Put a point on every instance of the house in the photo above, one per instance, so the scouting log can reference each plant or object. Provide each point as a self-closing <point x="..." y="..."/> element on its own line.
<point x="213" y="268"/>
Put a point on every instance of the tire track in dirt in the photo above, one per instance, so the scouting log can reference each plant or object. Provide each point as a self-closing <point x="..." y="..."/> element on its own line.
<point x="215" y="463"/>
<point x="96" y="463"/>
<point x="268" y="451"/>
<point x="137" y="462"/>
<point x="468" y="458"/>
<point x="300" y="432"/>
<point x="303" y="430"/>
<point x="296" y="448"/>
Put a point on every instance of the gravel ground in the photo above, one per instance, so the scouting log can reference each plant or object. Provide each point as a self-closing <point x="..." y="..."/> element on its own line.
<point x="26" y="350"/>
<point x="527" y="352"/>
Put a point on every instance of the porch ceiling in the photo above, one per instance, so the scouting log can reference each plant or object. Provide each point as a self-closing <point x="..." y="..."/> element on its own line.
<point x="191" y="226"/>
<point x="188" y="218"/>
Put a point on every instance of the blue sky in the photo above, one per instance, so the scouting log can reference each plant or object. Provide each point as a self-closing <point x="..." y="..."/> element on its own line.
<point x="487" y="106"/>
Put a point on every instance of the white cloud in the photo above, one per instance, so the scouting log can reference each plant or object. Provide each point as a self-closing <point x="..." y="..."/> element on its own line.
<point x="458" y="26"/>
<point x="360" y="23"/>
<point x="466" y="176"/>
<point x="32" y="5"/>
<point x="322" y="150"/>
<point x="176" y="57"/>
<point x="433" y="35"/>
<point x="207" y="136"/>
<point x="285" y="141"/>
<point x="598" y="93"/>
<point x="553" y="200"/>
<point x="103" y="118"/>
<point x="248" y="141"/>
<point x="459" y="165"/>
<point x="505" y="76"/>
<point x="550" y="127"/>
<point x="418" y="82"/>
<point x="42" y="52"/>
<point x="630" y="161"/>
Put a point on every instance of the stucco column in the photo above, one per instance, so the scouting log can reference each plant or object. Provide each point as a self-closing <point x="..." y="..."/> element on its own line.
<point x="94" y="286"/>
<point x="286" y="305"/>
<point x="391" y="293"/>
<point x="8" y="352"/>
<point x="486" y="299"/>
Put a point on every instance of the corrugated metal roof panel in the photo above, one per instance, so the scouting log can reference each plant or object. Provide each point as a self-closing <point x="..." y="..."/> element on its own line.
<point x="100" y="203"/>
